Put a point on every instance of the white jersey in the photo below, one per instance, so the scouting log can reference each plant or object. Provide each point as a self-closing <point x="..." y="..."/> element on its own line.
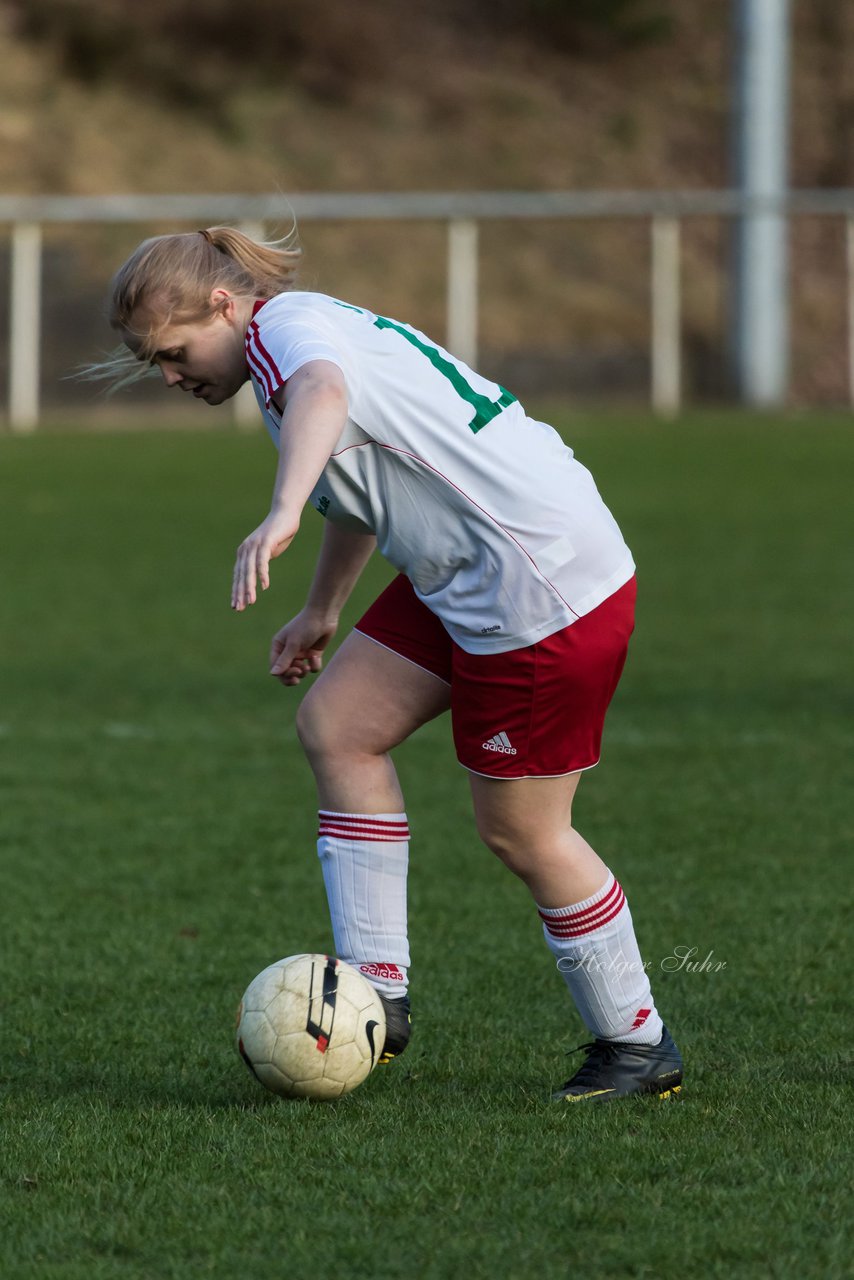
<point x="501" y="532"/>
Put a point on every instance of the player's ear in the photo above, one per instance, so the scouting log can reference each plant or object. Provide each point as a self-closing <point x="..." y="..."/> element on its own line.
<point x="223" y="303"/>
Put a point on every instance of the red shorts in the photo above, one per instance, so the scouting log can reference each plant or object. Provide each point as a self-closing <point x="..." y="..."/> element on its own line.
<point x="536" y="712"/>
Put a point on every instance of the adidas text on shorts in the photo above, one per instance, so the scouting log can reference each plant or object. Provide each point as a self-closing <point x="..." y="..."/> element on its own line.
<point x="535" y="712"/>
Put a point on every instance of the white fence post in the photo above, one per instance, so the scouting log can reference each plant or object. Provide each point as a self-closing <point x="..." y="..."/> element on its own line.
<point x="462" y="290"/>
<point x="244" y="406"/>
<point x="461" y="211"/>
<point x="25" y="326"/>
<point x="666" y="318"/>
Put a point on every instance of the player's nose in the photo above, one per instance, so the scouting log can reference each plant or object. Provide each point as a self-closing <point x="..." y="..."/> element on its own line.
<point x="171" y="376"/>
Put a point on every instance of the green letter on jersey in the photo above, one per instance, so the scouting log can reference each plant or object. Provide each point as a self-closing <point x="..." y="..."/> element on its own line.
<point x="484" y="409"/>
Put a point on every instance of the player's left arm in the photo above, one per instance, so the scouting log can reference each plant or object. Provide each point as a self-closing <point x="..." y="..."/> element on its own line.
<point x="313" y="403"/>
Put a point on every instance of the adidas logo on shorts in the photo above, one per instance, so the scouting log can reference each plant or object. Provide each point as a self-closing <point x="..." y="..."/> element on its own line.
<point x="500" y="742"/>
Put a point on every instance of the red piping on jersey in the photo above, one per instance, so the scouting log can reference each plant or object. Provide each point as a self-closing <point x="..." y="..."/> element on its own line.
<point x="250" y="356"/>
<point x="261" y="375"/>
<point x="468" y="498"/>
<point x="259" y="357"/>
<point x="263" y="353"/>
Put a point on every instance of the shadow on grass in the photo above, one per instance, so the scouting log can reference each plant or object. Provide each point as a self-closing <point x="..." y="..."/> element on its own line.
<point x="420" y="1084"/>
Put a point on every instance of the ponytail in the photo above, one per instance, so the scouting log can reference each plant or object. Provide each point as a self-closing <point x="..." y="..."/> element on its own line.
<point x="169" y="280"/>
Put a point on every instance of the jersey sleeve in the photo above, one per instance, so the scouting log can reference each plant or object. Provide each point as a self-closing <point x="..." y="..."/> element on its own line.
<point x="277" y="346"/>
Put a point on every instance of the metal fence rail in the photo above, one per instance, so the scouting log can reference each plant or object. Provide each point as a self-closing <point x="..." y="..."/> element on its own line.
<point x="461" y="211"/>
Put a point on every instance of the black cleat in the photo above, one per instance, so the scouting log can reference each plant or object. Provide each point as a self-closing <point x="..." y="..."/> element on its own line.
<point x="397" y="1023"/>
<point x="615" y="1069"/>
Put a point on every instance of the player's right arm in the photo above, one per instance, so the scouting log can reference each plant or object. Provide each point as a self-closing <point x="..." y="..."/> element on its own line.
<point x="313" y="403"/>
<point x="297" y="649"/>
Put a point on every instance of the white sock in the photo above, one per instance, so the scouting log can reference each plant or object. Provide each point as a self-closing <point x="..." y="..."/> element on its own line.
<point x="365" y="858"/>
<point x="597" y="953"/>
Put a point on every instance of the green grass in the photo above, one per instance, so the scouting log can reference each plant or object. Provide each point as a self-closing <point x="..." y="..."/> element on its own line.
<point x="157" y="827"/>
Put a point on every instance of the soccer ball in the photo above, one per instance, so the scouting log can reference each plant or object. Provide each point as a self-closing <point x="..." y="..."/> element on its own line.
<point x="310" y="1026"/>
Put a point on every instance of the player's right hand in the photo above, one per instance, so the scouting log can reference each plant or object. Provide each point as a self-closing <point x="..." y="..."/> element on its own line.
<point x="297" y="649"/>
<point x="273" y="536"/>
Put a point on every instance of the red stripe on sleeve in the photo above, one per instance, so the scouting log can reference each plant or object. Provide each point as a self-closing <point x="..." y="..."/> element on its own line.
<point x="260" y="372"/>
<point x="264" y="354"/>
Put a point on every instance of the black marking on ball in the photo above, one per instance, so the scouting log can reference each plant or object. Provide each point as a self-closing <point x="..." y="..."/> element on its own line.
<point x="328" y="997"/>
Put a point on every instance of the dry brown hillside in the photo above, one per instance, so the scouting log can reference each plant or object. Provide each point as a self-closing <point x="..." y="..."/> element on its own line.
<point x="440" y="103"/>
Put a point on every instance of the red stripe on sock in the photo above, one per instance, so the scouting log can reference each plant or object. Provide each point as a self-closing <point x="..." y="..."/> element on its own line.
<point x="578" y="917"/>
<point x="586" y="912"/>
<point x="342" y="833"/>
<point x="575" y="925"/>
<point x="393" y="831"/>
<point x="568" y="931"/>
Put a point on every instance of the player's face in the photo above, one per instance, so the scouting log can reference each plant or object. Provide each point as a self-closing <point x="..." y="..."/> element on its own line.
<point x="206" y="358"/>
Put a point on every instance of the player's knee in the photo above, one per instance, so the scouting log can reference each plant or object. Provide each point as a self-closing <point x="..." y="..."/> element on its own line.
<point x="524" y="847"/>
<point x="316" y="725"/>
<point x="506" y="843"/>
<point x="330" y="730"/>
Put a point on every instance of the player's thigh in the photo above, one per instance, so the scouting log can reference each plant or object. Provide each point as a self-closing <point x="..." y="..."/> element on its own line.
<point x="539" y="712"/>
<point x="368" y="699"/>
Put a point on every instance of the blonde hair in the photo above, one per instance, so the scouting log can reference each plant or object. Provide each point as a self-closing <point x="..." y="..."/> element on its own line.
<point x="169" y="280"/>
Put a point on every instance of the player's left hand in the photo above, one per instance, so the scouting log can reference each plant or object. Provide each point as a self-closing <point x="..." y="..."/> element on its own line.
<point x="254" y="554"/>
<point x="297" y="648"/>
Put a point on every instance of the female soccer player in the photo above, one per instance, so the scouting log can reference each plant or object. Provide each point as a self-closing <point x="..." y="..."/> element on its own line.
<point x="513" y="609"/>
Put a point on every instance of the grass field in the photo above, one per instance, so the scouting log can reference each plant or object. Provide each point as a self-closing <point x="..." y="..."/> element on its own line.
<point x="157" y="827"/>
